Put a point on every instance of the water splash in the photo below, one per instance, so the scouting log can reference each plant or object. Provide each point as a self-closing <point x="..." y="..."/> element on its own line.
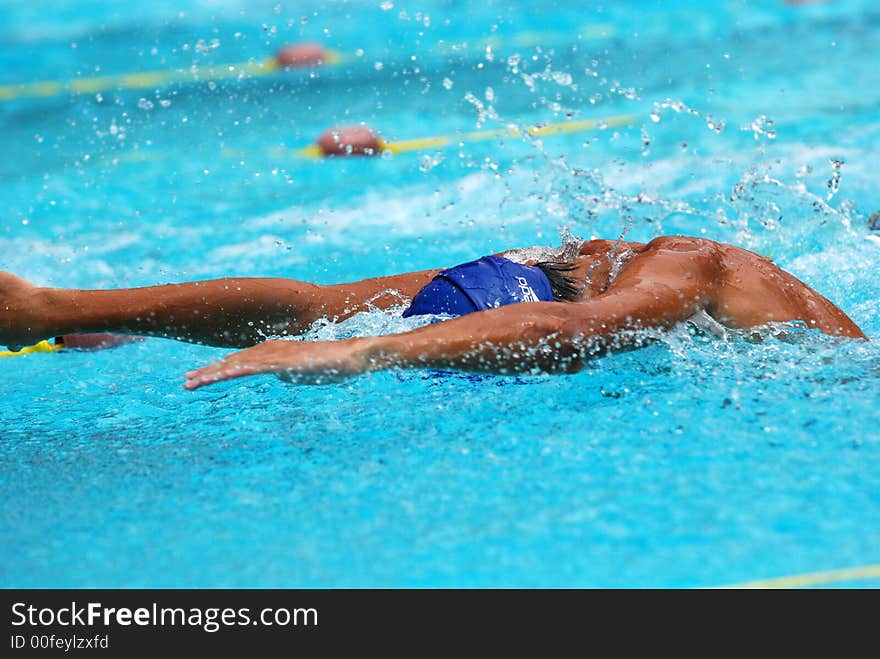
<point x="773" y="214"/>
<point x="834" y="181"/>
<point x="761" y="126"/>
<point x="485" y="111"/>
<point x="679" y="107"/>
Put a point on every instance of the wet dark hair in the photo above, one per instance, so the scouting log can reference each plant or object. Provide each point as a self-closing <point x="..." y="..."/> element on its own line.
<point x="565" y="288"/>
<point x="874" y="222"/>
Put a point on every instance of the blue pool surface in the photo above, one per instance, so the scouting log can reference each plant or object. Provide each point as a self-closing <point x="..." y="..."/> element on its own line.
<point x="692" y="462"/>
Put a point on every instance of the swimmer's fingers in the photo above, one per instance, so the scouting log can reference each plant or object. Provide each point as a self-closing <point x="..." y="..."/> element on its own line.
<point x="317" y="362"/>
<point x="218" y="372"/>
<point x="263" y="358"/>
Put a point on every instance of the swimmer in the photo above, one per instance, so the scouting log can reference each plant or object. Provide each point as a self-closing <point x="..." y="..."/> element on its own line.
<point x="510" y="314"/>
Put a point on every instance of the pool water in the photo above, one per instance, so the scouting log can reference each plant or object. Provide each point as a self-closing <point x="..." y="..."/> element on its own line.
<point x="692" y="462"/>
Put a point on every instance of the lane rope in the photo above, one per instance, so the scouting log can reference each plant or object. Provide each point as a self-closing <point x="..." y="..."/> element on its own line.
<point x="440" y="141"/>
<point x="815" y="578"/>
<point x="41" y="347"/>
<point x="312" y="151"/>
<point x="268" y="66"/>
<point x="145" y="80"/>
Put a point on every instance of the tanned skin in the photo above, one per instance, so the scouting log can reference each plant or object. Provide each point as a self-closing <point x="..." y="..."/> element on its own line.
<point x="664" y="282"/>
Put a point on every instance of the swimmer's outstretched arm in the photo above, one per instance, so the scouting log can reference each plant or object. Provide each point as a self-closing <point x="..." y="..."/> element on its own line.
<point x="541" y="336"/>
<point x="234" y="312"/>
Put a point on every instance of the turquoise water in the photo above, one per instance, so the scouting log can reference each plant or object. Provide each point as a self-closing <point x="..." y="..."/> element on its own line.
<point x="691" y="462"/>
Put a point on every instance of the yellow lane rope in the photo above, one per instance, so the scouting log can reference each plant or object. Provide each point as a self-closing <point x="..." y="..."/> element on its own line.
<point x="423" y="143"/>
<point x="815" y="578"/>
<point x="440" y="141"/>
<point x="403" y="146"/>
<point x="146" y="80"/>
<point x="155" y="79"/>
<point x="41" y="347"/>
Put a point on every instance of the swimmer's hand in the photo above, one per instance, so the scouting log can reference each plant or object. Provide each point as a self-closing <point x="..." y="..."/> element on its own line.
<point x="305" y="362"/>
<point x="22" y="312"/>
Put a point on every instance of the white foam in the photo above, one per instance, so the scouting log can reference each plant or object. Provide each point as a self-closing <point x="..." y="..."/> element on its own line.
<point x="415" y="210"/>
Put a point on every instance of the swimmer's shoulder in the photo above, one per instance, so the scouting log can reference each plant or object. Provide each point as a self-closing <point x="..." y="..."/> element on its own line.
<point x="597" y="247"/>
<point x="679" y="243"/>
<point x="704" y="250"/>
<point x="676" y="243"/>
<point x="601" y="246"/>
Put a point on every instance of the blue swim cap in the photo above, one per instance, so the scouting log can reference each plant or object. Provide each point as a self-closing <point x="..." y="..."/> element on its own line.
<point x="486" y="283"/>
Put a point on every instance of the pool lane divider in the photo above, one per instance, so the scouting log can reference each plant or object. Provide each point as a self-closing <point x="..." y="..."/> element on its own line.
<point x="41" y="347"/>
<point x="359" y="140"/>
<point x="300" y="55"/>
<point x="145" y="80"/>
<point x="87" y="341"/>
<point x="362" y="141"/>
<point x="860" y="573"/>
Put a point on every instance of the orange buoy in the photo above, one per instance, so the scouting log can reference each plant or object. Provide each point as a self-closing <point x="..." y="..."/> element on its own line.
<point x="350" y="141"/>
<point x="301" y="54"/>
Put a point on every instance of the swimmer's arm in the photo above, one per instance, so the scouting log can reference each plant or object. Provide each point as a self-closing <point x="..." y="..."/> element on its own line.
<point x="551" y="337"/>
<point x="231" y="312"/>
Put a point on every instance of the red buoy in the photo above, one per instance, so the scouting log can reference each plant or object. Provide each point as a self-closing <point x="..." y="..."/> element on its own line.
<point x="301" y="54"/>
<point x="350" y="141"/>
